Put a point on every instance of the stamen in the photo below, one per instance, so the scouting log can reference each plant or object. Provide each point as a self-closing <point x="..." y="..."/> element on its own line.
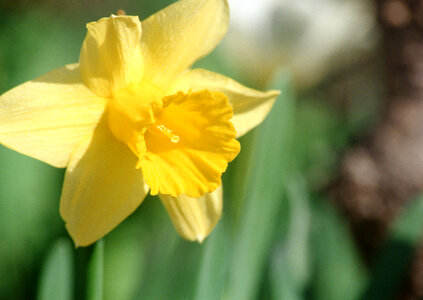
<point x="169" y="133"/>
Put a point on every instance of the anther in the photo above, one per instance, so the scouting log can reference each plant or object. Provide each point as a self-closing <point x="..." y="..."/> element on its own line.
<point x="169" y="133"/>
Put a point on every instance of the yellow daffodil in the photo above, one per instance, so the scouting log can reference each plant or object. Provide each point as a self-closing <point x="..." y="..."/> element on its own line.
<point x="132" y="117"/>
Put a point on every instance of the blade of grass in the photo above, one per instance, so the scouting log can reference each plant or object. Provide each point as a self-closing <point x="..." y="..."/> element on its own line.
<point x="95" y="272"/>
<point x="124" y="258"/>
<point x="338" y="270"/>
<point x="213" y="265"/>
<point x="264" y="193"/>
<point x="57" y="273"/>
<point x="390" y="269"/>
<point x="289" y="269"/>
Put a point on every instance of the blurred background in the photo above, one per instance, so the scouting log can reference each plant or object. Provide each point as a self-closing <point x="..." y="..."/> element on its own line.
<point x="323" y="201"/>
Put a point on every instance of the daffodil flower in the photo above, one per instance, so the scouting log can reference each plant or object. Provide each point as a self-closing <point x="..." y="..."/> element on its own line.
<point x="132" y="118"/>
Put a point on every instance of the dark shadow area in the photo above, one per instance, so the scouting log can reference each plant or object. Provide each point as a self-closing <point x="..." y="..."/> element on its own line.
<point x="390" y="270"/>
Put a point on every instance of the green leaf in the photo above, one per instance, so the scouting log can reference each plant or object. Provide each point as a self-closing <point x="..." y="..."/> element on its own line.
<point x="125" y="259"/>
<point x="391" y="267"/>
<point x="271" y="160"/>
<point x="338" y="270"/>
<point x="290" y="266"/>
<point x="57" y="273"/>
<point x="213" y="266"/>
<point x="95" y="273"/>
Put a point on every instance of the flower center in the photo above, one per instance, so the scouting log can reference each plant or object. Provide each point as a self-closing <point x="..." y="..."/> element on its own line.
<point x="183" y="141"/>
<point x="132" y="110"/>
<point x="167" y="132"/>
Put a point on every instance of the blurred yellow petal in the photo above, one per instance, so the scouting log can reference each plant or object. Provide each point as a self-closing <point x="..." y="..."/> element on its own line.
<point x="250" y="106"/>
<point x="102" y="187"/>
<point x="46" y="117"/>
<point x="189" y="146"/>
<point x="110" y="56"/>
<point x="194" y="218"/>
<point x="175" y="37"/>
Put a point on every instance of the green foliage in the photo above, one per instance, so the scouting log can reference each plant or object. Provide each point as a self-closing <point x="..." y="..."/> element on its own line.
<point x="96" y="273"/>
<point x="338" y="271"/>
<point x="56" y="281"/>
<point x="264" y="192"/>
<point x="391" y="267"/>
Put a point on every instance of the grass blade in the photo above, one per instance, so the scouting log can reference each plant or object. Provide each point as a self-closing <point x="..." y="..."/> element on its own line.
<point x="95" y="273"/>
<point x="213" y="266"/>
<point x="290" y="267"/>
<point x="57" y="273"/>
<point x="391" y="267"/>
<point x="338" y="270"/>
<point x="264" y="194"/>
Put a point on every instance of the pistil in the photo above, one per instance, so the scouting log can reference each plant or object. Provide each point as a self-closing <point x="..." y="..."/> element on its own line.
<point x="169" y="133"/>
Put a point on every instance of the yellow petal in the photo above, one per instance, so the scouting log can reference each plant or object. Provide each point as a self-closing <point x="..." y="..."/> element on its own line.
<point x="180" y="34"/>
<point x="102" y="187"/>
<point x="250" y="106"/>
<point x="110" y="56"/>
<point x="46" y="117"/>
<point x="190" y="145"/>
<point x="194" y="218"/>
